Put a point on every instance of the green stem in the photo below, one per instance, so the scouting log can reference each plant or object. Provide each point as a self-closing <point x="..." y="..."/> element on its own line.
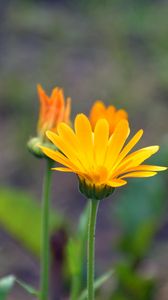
<point x="45" y="246"/>
<point x="91" y="248"/>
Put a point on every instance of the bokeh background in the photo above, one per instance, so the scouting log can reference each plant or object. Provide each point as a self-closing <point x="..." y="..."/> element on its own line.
<point x="116" y="51"/>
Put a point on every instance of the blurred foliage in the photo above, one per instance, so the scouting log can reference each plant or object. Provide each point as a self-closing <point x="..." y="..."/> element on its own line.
<point x="132" y="286"/>
<point x="98" y="283"/>
<point x="20" y="215"/>
<point x="140" y="212"/>
<point x="6" y="285"/>
<point x="28" y="288"/>
<point x="76" y="254"/>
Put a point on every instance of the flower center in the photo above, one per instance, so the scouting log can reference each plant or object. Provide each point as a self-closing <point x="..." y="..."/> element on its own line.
<point x="99" y="175"/>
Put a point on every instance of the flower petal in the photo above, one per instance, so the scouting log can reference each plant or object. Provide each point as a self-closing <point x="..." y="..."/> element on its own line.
<point x="66" y="133"/>
<point x="84" y="135"/>
<point x="139" y="174"/>
<point x="129" y="146"/>
<point x="98" y="111"/>
<point x="136" y="158"/>
<point x="63" y="170"/>
<point x="67" y="110"/>
<point x="116" y="143"/>
<point x="101" y="135"/>
<point x="58" y="157"/>
<point x="116" y="182"/>
<point x="147" y="168"/>
<point x="65" y="147"/>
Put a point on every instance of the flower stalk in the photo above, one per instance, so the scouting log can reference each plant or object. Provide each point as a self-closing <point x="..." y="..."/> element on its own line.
<point x="91" y="248"/>
<point x="45" y="248"/>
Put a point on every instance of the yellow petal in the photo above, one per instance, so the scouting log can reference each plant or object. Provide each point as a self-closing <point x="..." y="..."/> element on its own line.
<point x="65" y="147"/>
<point x="66" y="133"/>
<point x="63" y="170"/>
<point x="139" y="174"/>
<point x="101" y="135"/>
<point x="129" y="146"/>
<point x="58" y="157"/>
<point x="147" y="168"/>
<point x="116" y="143"/>
<point x="84" y="135"/>
<point x="116" y="182"/>
<point x="136" y="158"/>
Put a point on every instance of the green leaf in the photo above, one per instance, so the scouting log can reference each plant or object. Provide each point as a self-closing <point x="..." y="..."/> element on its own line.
<point x="8" y="282"/>
<point x="28" y="288"/>
<point x="132" y="285"/>
<point x="76" y="245"/>
<point x="16" y="207"/>
<point x="141" y="201"/>
<point x="6" y="285"/>
<point x="139" y="211"/>
<point x="98" y="283"/>
<point x="76" y="253"/>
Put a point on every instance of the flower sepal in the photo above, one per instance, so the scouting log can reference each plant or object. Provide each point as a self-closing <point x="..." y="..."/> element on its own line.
<point x="92" y="191"/>
<point x="33" y="146"/>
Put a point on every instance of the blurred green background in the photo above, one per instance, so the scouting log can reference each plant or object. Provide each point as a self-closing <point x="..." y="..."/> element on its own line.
<point x="116" y="51"/>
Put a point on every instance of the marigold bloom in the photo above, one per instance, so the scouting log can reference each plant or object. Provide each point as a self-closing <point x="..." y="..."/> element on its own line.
<point x="113" y="116"/>
<point x="100" y="160"/>
<point x="53" y="110"/>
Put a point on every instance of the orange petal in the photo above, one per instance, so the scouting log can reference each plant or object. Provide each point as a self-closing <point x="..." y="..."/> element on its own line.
<point x="67" y="111"/>
<point x="43" y="107"/>
<point x="98" y="111"/>
<point x="54" y="95"/>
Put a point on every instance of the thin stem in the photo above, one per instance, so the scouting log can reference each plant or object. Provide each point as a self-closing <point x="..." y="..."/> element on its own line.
<point x="91" y="248"/>
<point x="45" y="248"/>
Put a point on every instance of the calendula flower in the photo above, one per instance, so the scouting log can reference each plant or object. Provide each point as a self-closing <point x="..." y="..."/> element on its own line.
<point x="113" y="116"/>
<point x="53" y="110"/>
<point x="101" y="161"/>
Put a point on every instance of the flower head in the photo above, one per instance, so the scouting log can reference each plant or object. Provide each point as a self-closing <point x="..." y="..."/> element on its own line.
<point x="113" y="116"/>
<point x="101" y="161"/>
<point x="53" y="110"/>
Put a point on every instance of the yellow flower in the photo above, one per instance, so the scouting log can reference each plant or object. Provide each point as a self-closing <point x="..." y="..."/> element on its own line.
<point x="53" y="110"/>
<point x="100" y="160"/>
<point x="113" y="116"/>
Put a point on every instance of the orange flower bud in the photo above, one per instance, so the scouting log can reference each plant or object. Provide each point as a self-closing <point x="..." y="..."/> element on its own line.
<point x="53" y="110"/>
